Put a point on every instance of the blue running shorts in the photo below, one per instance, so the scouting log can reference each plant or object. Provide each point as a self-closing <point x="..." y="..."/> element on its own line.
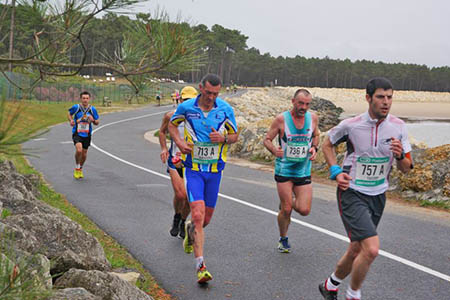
<point x="202" y="186"/>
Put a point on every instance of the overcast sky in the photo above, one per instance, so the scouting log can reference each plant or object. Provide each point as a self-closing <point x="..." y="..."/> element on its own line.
<point x="407" y="31"/>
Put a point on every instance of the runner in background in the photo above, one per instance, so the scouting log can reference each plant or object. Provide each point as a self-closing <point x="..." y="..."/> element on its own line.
<point x="81" y="117"/>
<point x="175" y="167"/>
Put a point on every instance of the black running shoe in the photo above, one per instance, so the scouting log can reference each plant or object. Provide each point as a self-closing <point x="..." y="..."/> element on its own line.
<point x="182" y="233"/>
<point x="175" y="226"/>
<point x="328" y="295"/>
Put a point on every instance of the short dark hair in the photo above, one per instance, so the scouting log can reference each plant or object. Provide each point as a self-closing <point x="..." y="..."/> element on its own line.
<point x="378" y="83"/>
<point x="301" y="91"/>
<point x="213" y="79"/>
<point x="85" y="93"/>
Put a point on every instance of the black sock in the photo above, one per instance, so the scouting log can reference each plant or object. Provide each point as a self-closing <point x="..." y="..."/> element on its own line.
<point x="177" y="216"/>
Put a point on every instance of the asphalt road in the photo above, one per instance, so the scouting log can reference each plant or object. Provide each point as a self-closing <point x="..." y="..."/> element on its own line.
<point x="126" y="192"/>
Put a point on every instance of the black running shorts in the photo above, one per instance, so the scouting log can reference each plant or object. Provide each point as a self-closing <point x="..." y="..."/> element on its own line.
<point x="360" y="213"/>
<point x="85" y="141"/>
<point x="296" y="180"/>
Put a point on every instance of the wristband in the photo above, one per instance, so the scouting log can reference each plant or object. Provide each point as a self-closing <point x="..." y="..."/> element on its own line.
<point x="402" y="156"/>
<point x="226" y="139"/>
<point x="335" y="170"/>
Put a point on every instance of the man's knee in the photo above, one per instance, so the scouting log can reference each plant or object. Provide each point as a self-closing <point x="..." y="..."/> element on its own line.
<point x="198" y="216"/>
<point x="286" y="210"/>
<point x="370" y="252"/>
<point x="354" y="250"/>
<point x="304" y="211"/>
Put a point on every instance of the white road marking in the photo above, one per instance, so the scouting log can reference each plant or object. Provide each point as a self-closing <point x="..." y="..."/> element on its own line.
<point x="66" y="142"/>
<point x="39" y="139"/>
<point x="305" y="224"/>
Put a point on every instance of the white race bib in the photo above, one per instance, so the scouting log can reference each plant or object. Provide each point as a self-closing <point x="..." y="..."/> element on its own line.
<point x="83" y="127"/>
<point x="297" y="151"/>
<point x="205" y="153"/>
<point x="371" y="171"/>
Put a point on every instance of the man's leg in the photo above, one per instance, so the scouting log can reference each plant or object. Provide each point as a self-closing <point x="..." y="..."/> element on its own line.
<point x="179" y="202"/>
<point x="83" y="156"/>
<point x="198" y="218"/>
<point x="303" y="198"/>
<point x="78" y="153"/>
<point x="284" y="215"/>
<point x="362" y="262"/>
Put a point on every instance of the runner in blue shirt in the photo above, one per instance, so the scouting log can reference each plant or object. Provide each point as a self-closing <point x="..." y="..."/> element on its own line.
<point x="209" y="127"/>
<point x="81" y="117"/>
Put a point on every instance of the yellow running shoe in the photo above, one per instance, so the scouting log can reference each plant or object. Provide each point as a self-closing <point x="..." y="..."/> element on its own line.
<point x="76" y="173"/>
<point x="188" y="237"/>
<point x="203" y="275"/>
<point x="80" y="173"/>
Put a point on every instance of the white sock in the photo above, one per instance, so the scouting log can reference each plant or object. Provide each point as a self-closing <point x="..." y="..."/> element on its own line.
<point x="78" y="166"/>
<point x="353" y="295"/>
<point x="199" y="262"/>
<point x="329" y="284"/>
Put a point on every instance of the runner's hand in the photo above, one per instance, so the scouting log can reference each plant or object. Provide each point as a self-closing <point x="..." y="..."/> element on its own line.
<point x="216" y="137"/>
<point x="279" y="152"/>
<point x="72" y="122"/>
<point x="185" y="148"/>
<point x="313" y="153"/>
<point x="343" y="180"/>
<point x="396" y="147"/>
<point x="164" y="155"/>
<point x="91" y="119"/>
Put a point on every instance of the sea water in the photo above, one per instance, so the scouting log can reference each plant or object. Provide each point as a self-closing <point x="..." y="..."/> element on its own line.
<point x="432" y="133"/>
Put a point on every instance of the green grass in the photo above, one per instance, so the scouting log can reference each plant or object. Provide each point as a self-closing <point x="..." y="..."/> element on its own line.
<point x="5" y="213"/>
<point x="435" y="204"/>
<point x="34" y="116"/>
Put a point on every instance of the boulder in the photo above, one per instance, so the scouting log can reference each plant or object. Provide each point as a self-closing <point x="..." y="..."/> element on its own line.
<point x="104" y="285"/>
<point x="59" y="238"/>
<point x="73" y="294"/>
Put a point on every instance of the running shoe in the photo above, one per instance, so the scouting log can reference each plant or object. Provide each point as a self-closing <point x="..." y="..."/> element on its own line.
<point x="328" y="295"/>
<point x="175" y="230"/>
<point x="182" y="232"/>
<point x="80" y="173"/>
<point x="284" y="246"/>
<point x="189" y="237"/>
<point x="203" y="275"/>
<point x="76" y="173"/>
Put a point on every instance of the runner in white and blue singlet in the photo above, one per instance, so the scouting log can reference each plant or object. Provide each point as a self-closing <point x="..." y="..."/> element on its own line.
<point x="375" y="140"/>
<point x="210" y="126"/>
<point x="81" y="117"/>
<point x="175" y="167"/>
<point x="298" y="137"/>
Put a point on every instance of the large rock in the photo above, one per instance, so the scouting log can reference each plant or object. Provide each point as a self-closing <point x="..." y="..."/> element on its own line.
<point x="105" y="285"/>
<point x="59" y="238"/>
<point x="10" y="178"/>
<point x="18" y="194"/>
<point x="430" y="179"/>
<point x="73" y="294"/>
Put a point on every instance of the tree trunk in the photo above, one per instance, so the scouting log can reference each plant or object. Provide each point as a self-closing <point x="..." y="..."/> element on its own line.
<point x="11" y="33"/>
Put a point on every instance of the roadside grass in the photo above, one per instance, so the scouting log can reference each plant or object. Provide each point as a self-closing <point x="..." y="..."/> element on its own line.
<point x="435" y="204"/>
<point x="35" y="117"/>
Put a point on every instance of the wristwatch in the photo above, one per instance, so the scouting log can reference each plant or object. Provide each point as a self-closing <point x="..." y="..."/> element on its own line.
<point x="315" y="147"/>
<point x="226" y="139"/>
<point x="402" y="156"/>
